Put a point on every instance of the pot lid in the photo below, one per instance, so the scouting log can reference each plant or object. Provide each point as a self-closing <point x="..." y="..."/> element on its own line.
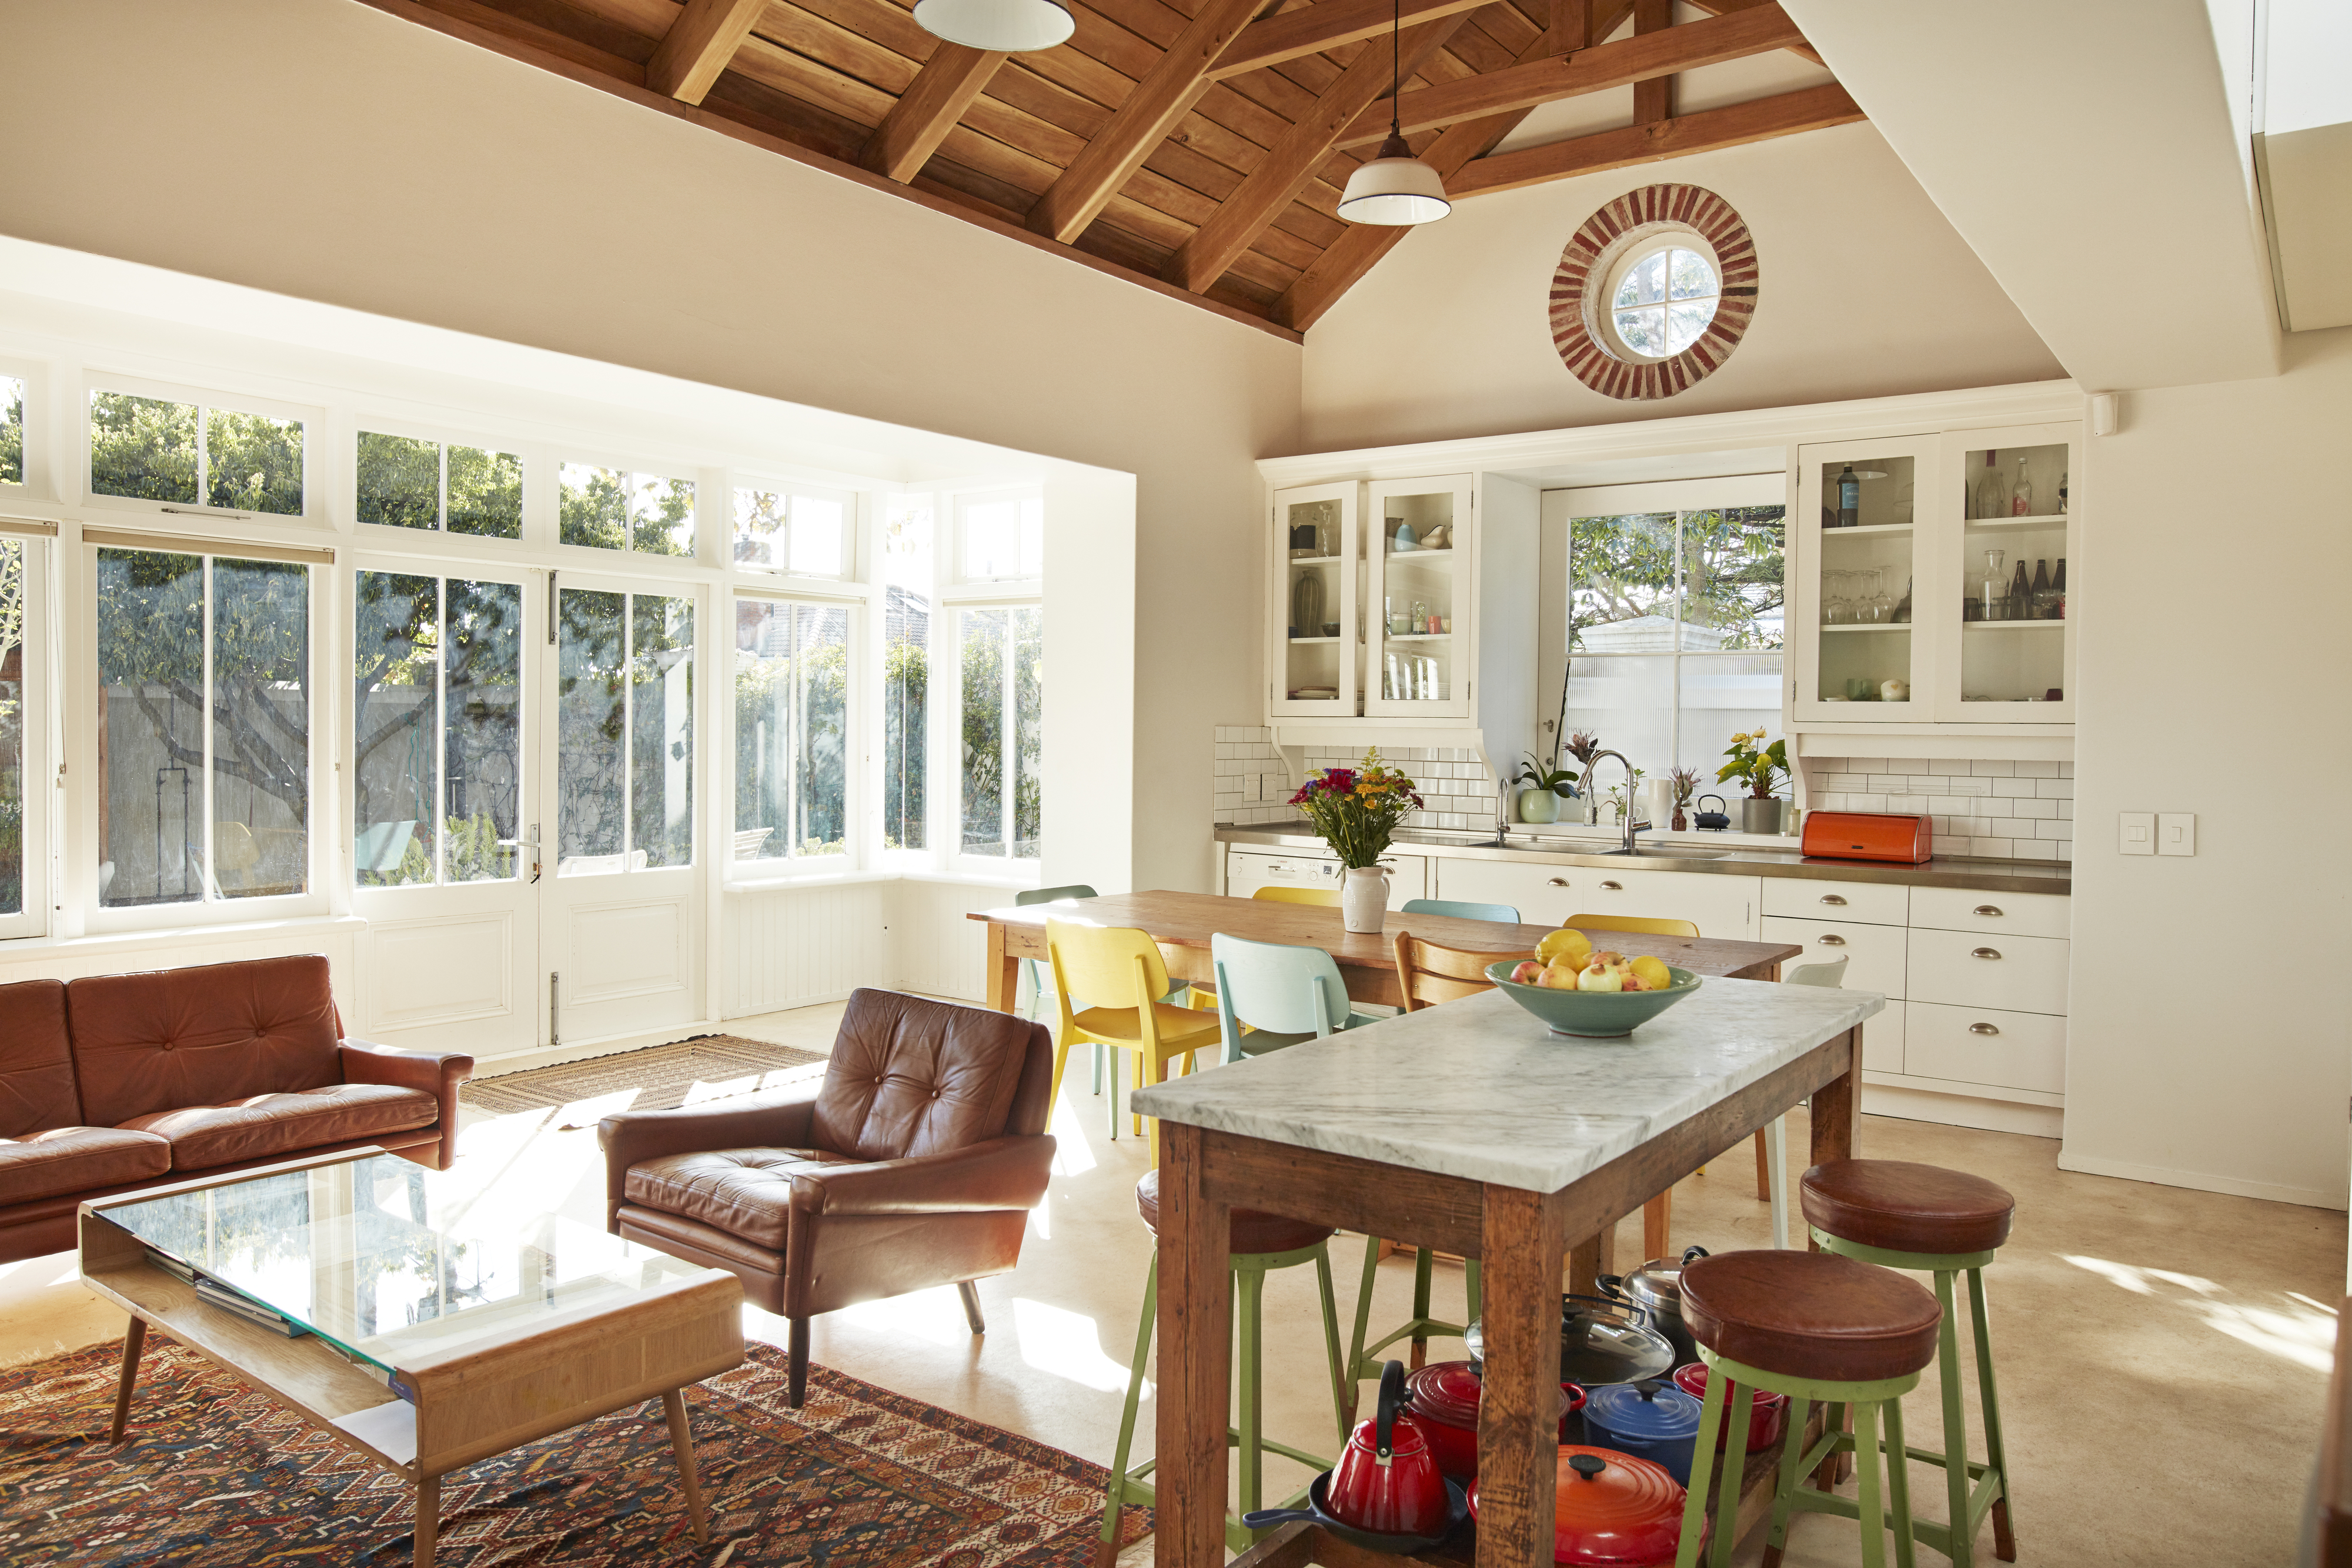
<point x="1611" y="1511"/>
<point x="1691" y="1378"/>
<point x="1659" y="1282"/>
<point x="1649" y="1411"/>
<point x="1595" y="1349"/>
<point x="1447" y="1392"/>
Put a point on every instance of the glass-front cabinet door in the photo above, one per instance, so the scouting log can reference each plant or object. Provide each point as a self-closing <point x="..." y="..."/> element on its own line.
<point x="1418" y="542"/>
<point x="2008" y="559"/>
<point x="1316" y="632"/>
<point x="1865" y="579"/>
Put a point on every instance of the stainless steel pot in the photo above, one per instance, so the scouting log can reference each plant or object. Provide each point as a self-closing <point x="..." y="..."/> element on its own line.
<point x="1599" y="1342"/>
<point x="1656" y="1287"/>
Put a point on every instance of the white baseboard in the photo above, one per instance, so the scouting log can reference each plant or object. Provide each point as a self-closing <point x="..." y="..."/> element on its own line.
<point x="1962" y="1111"/>
<point x="2200" y="1181"/>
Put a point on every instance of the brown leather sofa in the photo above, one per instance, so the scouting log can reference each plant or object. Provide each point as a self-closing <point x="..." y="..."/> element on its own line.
<point x="913" y="1163"/>
<point x="119" y="1081"/>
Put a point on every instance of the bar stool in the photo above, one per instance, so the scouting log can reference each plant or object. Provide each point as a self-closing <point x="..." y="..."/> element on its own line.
<point x="1815" y="1327"/>
<point x="1260" y="1243"/>
<point x="1942" y="1222"/>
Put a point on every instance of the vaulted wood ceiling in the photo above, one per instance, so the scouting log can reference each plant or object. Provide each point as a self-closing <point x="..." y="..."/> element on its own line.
<point x="1196" y="146"/>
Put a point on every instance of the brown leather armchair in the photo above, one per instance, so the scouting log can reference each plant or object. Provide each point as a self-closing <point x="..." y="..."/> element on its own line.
<point x="914" y="1163"/>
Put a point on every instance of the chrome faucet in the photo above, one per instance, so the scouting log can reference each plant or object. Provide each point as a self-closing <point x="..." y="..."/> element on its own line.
<point x="1631" y="805"/>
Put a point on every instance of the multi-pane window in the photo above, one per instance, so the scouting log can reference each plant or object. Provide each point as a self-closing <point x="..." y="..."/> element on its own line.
<point x="799" y="532"/>
<point x="906" y="671"/>
<point x="612" y="508"/>
<point x="1003" y="654"/>
<point x="12" y="430"/>
<point x="405" y="482"/>
<point x="792" y="730"/>
<point x="1000" y="539"/>
<point x="151" y="449"/>
<point x="204" y="727"/>
<point x="624" y="739"/>
<point x="12" y="726"/>
<point x="1675" y="631"/>
<point x="437" y="737"/>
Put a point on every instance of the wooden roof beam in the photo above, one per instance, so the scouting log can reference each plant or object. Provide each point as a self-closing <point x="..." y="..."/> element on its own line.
<point x="1653" y="97"/>
<point x="1709" y="131"/>
<point x="1627" y="62"/>
<point x="1326" y="25"/>
<point x="1297" y="153"/>
<point x="699" y="44"/>
<point x="930" y="107"/>
<point x="1726" y="7"/>
<point x="1140" y="123"/>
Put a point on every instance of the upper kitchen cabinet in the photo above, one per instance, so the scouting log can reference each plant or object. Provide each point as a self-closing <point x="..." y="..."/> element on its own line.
<point x="2006" y="549"/>
<point x="1855" y="626"/>
<point x="1315" y="644"/>
<point x="1420" y="607"/>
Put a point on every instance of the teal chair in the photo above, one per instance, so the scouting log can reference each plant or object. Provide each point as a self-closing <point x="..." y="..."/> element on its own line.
<point x="1284" y="994"/>
<point x="1036" y="969"/>
<point x="1463" y="909"/>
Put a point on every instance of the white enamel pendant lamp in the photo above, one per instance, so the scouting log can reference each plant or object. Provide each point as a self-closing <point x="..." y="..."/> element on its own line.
<point x="1004" y="27"/>
<point x="1395" y="189"/>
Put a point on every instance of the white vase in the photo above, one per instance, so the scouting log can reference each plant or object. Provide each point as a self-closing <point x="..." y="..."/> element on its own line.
<point x="1364" y="898"/>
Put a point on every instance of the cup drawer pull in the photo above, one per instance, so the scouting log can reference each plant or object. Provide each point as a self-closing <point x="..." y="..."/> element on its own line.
<point x="1986" y="953"/>
<point x="1993" y="910"/>
<point x="1557" y="882"/>
<point x="1836" y="898"/>
<point x="1613" y="887"/>
<point x="1833" y="940"/>
<point x="1984" y="1029"/>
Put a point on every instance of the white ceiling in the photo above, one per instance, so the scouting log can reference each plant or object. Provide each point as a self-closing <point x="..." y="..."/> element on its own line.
<point x="2095" y="155"/>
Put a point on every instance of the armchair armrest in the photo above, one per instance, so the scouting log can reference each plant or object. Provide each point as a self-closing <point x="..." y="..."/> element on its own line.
<point x="998" y="1174"/>
<point x="779" y="1120"/>
<point x="435" y="1072"/>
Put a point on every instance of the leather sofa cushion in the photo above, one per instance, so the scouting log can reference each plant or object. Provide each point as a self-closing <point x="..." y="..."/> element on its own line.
<point x="911" y="1077"/>
<point x="744" y="1192"/>
<point x="212" y="1036"/>
<point x="79" y="1159"/>
<point x="202" y="1136"/>
<point x="37" y="1075"/>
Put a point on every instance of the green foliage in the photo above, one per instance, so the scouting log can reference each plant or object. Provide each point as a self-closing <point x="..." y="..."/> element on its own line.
<point x="1758" y="766"/>
<point x="12" y="431"/>
<point x="143" y="448"/>
<point x="661" y="516"/>
<point x="484" y="493"/>
<point x="1729" y="572"/>
<point x="1355" y="810"/>
<point x="592" y="508"/>
<point x="905" y="709"/>
<point x="399" y="481"/>
<point x="791" y="750"/>
<point x="252" y="463"/>
<point x="1535" y="775"/>
<point x="986" y="751"/>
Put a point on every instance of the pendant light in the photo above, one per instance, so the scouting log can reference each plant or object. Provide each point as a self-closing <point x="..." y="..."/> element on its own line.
<point x="1004" y="27"/>
<point x="1395" y="188"/>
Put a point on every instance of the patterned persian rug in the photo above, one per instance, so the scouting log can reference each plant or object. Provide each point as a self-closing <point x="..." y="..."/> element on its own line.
<point x="213" y="1476"/>
<point x="715" y="1067"/>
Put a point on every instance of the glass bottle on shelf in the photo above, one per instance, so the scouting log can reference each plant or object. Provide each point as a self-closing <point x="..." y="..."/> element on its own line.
<point x="1992" y="501"/>
<point x="1849" y="493"/>
<point x="2020" y="594"/>
<point x="1902" y="616"/>
<point x="2020" y="496"/>
<point x="2061" y="493"/>
<point x="2045" y="602"/>
<point x="1993" y="591"/>
<point x="2058" y="589"/>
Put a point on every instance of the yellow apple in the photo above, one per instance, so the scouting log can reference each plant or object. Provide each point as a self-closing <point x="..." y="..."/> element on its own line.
<point x="1599" y="977"/>
<point x="1560" y="977"/>
<point x="1529" y="973"/>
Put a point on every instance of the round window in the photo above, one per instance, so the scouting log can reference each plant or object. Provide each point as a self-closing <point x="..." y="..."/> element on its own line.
<point x="1662" y="297"/>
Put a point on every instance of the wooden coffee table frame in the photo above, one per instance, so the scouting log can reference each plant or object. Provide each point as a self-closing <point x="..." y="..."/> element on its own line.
<point x="472" y="1402"/>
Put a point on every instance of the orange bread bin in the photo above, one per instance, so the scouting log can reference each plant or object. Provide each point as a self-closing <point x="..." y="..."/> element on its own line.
<point x="1869" y="836"/>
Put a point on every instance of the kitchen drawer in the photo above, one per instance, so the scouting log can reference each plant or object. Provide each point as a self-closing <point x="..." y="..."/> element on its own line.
<point x="2025" y="914"/>
<point x="2019" y="974"/>
<point x="1870" y="903"/>
<point x="1526" y="887"/>
<point x="1875" y="953"/>
<point x="1719" y="906"/>
<point x="1882" y="1034"/>
<point x="1985" y="1045"/>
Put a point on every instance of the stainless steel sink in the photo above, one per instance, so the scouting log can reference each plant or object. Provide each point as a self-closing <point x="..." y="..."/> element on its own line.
<point x="1669" y="853"/>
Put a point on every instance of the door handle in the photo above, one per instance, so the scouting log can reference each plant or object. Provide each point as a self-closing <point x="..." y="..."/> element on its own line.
<point x="1986" y="953"/>
<point x="1991" y="909"/>
<point x="1833" y="940"/>
<point x="1839" y="899"/>
<point x="1983" y="1029"/>
<point x="1557" y="882"/>
<point x="529" y="842"/>
<point x="1613" y="886"/>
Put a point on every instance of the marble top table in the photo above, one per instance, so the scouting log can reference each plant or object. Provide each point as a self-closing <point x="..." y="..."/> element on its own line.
<point x="1470" y="1128"/>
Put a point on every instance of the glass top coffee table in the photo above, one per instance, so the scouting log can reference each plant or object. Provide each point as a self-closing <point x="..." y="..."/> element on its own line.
<point x="425" y="1340"/>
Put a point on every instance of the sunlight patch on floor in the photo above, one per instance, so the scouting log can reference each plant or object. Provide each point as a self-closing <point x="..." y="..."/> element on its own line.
<point x="2303" y="1332"/>
<point x="1066" y="1345"/>
<point x="934" y="1316"/>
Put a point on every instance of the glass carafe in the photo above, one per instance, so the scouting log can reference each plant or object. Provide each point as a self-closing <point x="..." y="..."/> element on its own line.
<point x="1992" y="595"/>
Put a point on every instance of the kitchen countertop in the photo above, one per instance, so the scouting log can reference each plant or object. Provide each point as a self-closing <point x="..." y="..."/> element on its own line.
<point x="1481" y="1090"/>
<point x="1734" y="859"/>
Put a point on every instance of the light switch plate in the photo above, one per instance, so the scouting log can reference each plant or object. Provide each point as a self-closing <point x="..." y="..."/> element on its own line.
<point x="2175" y="833"/>
<point x="2138" y="833"/>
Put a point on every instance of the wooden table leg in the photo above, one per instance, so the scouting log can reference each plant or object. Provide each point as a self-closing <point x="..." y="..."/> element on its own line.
<point x="428" y="1519"/>
<point x="1195" y="1358"/>
<point x="1003" y="971"/>
<point x="1658" y="1224"/>
<point x="1587" y="1261"/>
<point x="1518" y="1406"/>
<point x="1833" y="1110"/>
<point x="134" y="1340"/>
<point x="681" y="1438"/>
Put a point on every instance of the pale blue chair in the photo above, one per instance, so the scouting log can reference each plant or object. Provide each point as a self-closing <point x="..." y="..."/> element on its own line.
<point x="1036" y="969"/>
<point x="1284" y="994"/>
<point x="1463" y="909"/>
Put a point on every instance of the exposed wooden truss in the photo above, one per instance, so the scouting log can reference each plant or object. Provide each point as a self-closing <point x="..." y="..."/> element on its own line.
<point x="1194" y="146"/>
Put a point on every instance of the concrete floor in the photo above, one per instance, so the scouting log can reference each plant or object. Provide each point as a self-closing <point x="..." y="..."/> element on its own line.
<point x="2163" y="1353"/>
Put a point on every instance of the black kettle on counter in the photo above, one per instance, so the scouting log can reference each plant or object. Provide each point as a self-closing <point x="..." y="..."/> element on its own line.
<point x="1712" y="822"/>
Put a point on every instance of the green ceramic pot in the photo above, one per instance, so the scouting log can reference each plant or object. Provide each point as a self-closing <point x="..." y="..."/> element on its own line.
<point x="1539" y="806"/>
<point x="1595" y="1015"/>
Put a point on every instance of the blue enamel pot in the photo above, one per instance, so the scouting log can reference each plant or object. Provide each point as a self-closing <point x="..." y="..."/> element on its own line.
<point x="1651" y="1420"/>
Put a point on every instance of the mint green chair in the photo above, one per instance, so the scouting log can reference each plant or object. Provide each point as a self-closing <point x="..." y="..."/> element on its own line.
<point x="1283" y="994"/>
<point x="1463" y="909"/>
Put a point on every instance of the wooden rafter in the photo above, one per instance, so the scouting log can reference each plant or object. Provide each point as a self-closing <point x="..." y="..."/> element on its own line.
<point x="1708" y="130"/>
<point x="929" y="110"/>
<point x="1326" y="25"/>
<point x="699" y="44"/>
<point x="1726" y="7"/>
<point x="1644" y="56"/>
<point x="1653" y="97"/>
<point x="1294" y="157"/>
<point x="1571" y="26"/>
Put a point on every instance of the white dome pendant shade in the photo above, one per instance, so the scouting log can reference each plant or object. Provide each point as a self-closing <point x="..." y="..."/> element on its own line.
<point x="1395" y="189"/>
<point x="1005" y="26"/>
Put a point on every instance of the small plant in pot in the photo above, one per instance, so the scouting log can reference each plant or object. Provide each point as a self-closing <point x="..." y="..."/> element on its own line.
<point x="1539" y="801"/>
<point x="1760" y="767"/>
<point x="1686" y="783"/>
<point x="1356" y="812"/>
<point x="1584" y="745"/>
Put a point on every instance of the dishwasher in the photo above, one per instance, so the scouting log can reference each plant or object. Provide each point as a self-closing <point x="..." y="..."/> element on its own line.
<point x="1247" y="870"/>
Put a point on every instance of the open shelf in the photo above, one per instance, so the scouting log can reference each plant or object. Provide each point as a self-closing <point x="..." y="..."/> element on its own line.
<point x="2001" y="626"/>
<point x="1415" y="637"/>
<point x="1870" y="626"/>
<point x="1830" y="533"/>
<point x="1313" y="639"/>
<point x="1318" y="559"/>
<point x="1445" y="554"/>
<point x="2007" y="525"/>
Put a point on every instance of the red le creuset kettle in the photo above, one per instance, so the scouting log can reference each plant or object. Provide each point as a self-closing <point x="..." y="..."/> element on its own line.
<point x="1388" y="1481"/>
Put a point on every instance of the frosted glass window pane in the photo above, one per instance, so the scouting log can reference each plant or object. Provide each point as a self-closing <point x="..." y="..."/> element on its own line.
<point x="1722" y="696"/>
<point x="1629" y="704"/>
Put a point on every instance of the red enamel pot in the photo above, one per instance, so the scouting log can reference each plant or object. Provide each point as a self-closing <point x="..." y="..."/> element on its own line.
<point x="1443" y="1397"/>
<point x="1767" y="1417"/>
<point x="1612" y="1510"/>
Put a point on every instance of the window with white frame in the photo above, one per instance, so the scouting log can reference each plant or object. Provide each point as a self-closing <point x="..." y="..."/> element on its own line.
<point x="145" y="448"/>
<point x="1001" y="537"/>
<point x="798" y="530"/>
<point x="625" y="732"/>
<point x="908" y="594"/>
<point x="204" y="725"/>
<point x="618" y="509"/>
<point x="22" y="905"/>
<point x="792" y="716"/>
<point x="1001" y="673"/>
<point x="407" y="482"/>
<point x="12" y="430"/>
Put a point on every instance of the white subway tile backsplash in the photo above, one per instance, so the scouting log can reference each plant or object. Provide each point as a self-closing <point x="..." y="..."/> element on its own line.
<point x="1986" y="807"/>
<point x="1966" y="784"/>
<point x="2013" y="788"/>
<point x="2034" y="809"/>
<point x="2054" y="788"/>
<point x="2065" y="770"/>
<point x="1992" y="767"/>
<point x="2037" y="770"/>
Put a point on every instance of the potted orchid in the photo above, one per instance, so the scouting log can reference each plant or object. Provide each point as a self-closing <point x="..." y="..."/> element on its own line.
<point x="1355" y="810"/>
<point x="1584" y="747"/>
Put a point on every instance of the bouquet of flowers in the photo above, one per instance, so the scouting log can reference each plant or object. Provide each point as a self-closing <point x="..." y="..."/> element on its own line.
<point x="1355" y="810"/>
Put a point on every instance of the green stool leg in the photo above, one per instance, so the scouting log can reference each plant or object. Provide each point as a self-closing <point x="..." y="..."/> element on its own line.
<point x="1956" y="1430"/>
<point x="1332" y="1340"/>
<point x="1898" y="1483"/>
<point x="1111" y="1071"/>
<point x="1115" y="1497"/>
<point x="1793" y="1461"/>
<point x="1363" y="1326"/>
<point x="1865" y="1458"/>
<point x="2004" y="1537"/>
<point x="1423" y="1262"/>
<point x="1710" y="1421"/>
<point x="1734" y="1473"/>
<point x="1247" y="1301"/>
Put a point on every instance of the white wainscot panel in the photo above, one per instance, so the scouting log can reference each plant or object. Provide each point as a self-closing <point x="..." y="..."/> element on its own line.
<point x="937" y="951"/>
<point x="795" y="947"/>
<point x="446" y="970"/>
<point x="632" y="949"/>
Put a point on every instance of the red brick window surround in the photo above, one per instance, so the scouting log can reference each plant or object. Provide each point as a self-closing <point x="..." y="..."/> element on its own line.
<point x="1640" y="220"/>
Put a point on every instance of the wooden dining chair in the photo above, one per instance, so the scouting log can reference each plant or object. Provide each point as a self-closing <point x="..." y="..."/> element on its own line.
<point x="1658" y="1214"/>
<point x="1327" y="897"/>
<point x="1428" y="973"/>
<point x="1119" y="970"/>
<point x="1460" y="909"/>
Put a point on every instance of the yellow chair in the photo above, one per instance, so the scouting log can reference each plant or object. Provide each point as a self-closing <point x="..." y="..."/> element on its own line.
<point x="1327" y="897"/>
<point x="1640" y="925"/>
<point x="1112" y="964"/>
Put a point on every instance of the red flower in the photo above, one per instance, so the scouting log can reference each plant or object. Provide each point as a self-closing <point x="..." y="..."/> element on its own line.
<point x="1341" y="780"/>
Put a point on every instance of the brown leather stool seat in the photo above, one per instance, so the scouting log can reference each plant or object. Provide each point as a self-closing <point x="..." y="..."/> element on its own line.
<point x="1810" y="1314"/>
<point x="1899" y="1207"/>
<point x="1253" y="1232"/>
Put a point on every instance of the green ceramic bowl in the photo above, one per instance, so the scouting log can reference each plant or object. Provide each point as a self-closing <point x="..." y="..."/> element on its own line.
<point x="1599" y="1015"/>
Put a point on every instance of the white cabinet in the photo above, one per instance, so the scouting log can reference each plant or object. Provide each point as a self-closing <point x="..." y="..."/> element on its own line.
<point x="1543" y="896"/>
<point x="1313" y="646"/>
<point x="1874" y="954"/>
<point x="1872" y="903"/>
<point x="1419" y="552"/>
<point x="1992" y="913"/>
<point x="1986" y="1047"/>
<point x="1718" y="906"/>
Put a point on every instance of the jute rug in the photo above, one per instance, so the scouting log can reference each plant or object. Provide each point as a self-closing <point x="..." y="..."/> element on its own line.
<point x="214" y="1476"/>
<point x="715" y="1067"/>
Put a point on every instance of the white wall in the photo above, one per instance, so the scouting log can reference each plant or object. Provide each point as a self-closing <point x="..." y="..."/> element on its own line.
<point x="2209" y="1037"/>
<point x="1866" y="292"/>
<point x="389" y="168"/>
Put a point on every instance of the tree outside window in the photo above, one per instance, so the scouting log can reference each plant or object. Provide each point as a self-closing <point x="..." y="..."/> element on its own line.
<point x="792" y="730"/>
<point x="152" y="449"/>
<point x="1003" y="676"/>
